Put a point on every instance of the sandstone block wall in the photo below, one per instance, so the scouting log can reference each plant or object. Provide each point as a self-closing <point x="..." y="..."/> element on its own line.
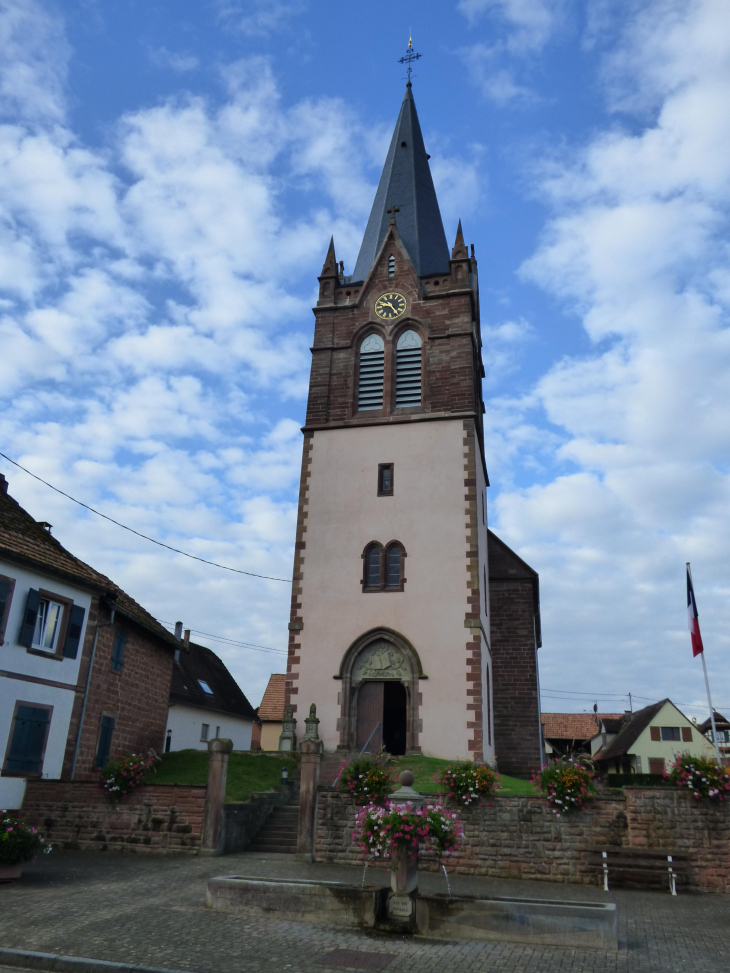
<point x="153" y="818"/>
<point x="521" y="837"/>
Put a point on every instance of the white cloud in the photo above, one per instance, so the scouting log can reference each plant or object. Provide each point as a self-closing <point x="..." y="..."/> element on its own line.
<point x="530" y="22"/>
<point x="34" y="62"/>
<point x="258" y="18"/>
<point x="637" y="246"/>
<point x="161" y="57"/>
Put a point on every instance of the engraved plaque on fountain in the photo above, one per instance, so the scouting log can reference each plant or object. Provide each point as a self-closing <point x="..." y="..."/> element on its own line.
<point x="400" y="906"/>
<point x="381" y="660"/>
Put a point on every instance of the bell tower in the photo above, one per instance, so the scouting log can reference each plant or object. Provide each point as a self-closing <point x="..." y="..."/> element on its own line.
<point x="390" y="615"/>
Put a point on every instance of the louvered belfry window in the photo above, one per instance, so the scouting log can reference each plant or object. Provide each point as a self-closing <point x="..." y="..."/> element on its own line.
<point x="370" y="384"/>
<point x="408" y="369"/>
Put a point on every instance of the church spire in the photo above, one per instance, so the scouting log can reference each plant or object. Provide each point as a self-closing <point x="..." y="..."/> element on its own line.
<point x="406" y="183"/>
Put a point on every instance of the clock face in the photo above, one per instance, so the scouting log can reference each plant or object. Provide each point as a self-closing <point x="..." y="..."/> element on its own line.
<point x="390" y="305"/>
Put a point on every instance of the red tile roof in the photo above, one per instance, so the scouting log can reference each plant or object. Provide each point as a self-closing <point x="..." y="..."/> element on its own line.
<point x="274" y="699"/>
<point x="24" y="540"/>
<point x="573" y="726"/>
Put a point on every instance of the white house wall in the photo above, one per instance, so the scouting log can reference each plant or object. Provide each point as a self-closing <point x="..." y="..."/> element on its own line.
<point x="16" y="661"/>
<point x="186" y="722"/>
<point x="646" y="748"/>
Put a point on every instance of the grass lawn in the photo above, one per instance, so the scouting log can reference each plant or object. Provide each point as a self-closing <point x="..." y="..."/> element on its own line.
<point x="247" y="772"/>
<point x="251" y="772"/>
<point x="425" y="767"/>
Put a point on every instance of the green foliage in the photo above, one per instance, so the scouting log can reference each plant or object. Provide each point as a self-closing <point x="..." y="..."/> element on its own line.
<point x="424" y="768"/>
<point x="18" y="841"/>
<point x="465" y="782"/>
<point x="700" y="775"/>
<point x="118" y="777"/>
<point x="566" y="785"/>
<point x="368" y="779"/>
<point x="248" y="773"/>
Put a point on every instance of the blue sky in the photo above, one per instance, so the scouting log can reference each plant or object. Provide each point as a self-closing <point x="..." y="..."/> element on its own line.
<point x="171" y="174"/>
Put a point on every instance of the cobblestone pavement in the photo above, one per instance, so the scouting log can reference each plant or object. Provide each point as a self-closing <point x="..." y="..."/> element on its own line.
<point x="150" y="911"/>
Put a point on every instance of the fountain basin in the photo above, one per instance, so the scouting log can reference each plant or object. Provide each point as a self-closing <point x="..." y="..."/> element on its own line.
<point x="540" y="922"/>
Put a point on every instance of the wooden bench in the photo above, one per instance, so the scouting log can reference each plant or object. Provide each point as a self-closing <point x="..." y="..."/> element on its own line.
<point x="640" y="868"/>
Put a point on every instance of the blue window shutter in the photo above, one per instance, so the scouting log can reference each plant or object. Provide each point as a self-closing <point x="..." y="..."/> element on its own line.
<point x="105" y="741"/>
<point x="29" y="737"/>
<point x="27" y="628"/>
<point x="120" y="642"/>
<point x="73" y="634"/>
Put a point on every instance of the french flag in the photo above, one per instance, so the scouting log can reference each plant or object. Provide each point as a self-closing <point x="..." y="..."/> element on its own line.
<point x="693" y="621"/>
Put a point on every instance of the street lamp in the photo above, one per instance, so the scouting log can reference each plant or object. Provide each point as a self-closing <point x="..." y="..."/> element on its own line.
<point x="284" y="776"/>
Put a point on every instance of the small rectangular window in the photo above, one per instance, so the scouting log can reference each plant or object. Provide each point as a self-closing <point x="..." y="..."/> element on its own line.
<point x="205" y="687"/>
<point x="168" y="741"/>
<point x="120" y="642"/>
<point x="204" y="728"/>
<point x="385" y="480"/>
<point x="47" y="625"/>
<point x="217" y="732"/>
<point x="671" y="733"/>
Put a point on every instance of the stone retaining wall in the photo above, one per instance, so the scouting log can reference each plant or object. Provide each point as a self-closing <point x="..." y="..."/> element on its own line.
<point x="520" y="837"/>
<point x="153" y="818"/>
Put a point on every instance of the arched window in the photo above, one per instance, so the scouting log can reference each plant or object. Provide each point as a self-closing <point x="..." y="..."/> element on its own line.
<point x="393" y="566"/>
<point x="391" y="266"/>
<point x="372" y="566"/>
<point x="370" y="384"/>
<point x="408" y="369"/>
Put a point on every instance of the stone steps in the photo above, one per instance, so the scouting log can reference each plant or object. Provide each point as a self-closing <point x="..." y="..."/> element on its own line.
<point x="279" y="833"/>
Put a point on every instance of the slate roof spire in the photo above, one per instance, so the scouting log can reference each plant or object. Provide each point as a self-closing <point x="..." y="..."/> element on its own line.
<point x="406" y="183"/>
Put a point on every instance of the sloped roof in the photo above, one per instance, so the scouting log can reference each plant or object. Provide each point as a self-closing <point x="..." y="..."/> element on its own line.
<point x="574" y="726"/>
<point x="24" y="540"/>
<point x="720" y="723"/>
<point x="631" y="732"/>
<point x="274" y="699"/>
<point x="198" y="664"/>
<point x="406" y="182"/>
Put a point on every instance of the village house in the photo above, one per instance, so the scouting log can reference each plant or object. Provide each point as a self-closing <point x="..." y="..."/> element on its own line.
<point x="271" y="713"/>
<point x="84" y="670"/>
<point x="566" y="734"/>
<point x="205" y="701"/>
<point x="722" y="725"/>
<point x="649" y="741"/>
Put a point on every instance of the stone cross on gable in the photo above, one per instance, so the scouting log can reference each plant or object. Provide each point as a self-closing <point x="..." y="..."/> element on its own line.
<point x="392" y="211"/>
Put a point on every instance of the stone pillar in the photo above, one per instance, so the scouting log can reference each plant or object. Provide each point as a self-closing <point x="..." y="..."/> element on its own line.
<point x="311" y="751"/>
<point x="215" y="797"/>
<point x="288" y="736"/>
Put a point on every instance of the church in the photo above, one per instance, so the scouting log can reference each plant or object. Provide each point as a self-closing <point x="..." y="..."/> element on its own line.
<point x="413" y="626"/>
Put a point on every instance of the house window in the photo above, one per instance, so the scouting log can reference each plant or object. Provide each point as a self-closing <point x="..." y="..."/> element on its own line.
<point x="671" y="733"/>
<point x="393" y="558"/>
<point x="204" y="728"/>
<point x="217" y="732"/>
<point x="489" y="709"/>
<point x="205" y="687"/>
<point x="6" y="595"/>
<point x="486" y="591"/>
<point x="383" y="568"/>
<point x="385" y="480"/>
<point x="27" y="745"/>
<point x="168" y="741"/>
<point x="120" y="642"/>
<point x="370" y="382"/>
<point x="51" y="624"/>
<point x="47" y="625"/>
<point x="391" y="266"/>
<point x="104" y="746"/>
<point x="372" y="566"/>
<point x="408" y="369"/>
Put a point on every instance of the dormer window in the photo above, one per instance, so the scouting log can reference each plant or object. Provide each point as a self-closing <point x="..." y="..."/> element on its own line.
<point x="391" y="266"/>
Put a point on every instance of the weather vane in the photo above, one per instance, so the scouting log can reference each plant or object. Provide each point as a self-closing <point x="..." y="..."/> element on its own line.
<point x="409" y="58"/>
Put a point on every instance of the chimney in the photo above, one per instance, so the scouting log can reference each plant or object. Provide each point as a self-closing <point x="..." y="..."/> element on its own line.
<point x="178" y="631"/>
<point x="3" y="485"/>
<point x="186" y="638"/>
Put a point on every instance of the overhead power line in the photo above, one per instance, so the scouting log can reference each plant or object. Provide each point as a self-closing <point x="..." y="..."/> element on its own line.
<point x="194" y="557"/>
<point x="223" y="638"/>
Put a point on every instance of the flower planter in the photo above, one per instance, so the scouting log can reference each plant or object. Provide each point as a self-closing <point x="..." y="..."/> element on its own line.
<point x="9" y="873"/>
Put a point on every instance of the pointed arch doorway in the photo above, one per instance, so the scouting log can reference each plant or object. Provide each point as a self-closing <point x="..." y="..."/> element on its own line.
<point x="380" y="700"/>
<point x="382" y="716"/>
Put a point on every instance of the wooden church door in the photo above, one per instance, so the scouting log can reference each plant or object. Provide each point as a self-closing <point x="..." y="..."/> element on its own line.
<point x="369" y="715"/>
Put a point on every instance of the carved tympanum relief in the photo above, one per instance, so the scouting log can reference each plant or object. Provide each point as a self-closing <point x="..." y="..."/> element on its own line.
<point x="381" y="660"/>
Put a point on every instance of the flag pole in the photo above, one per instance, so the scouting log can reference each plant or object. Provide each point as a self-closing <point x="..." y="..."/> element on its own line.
<point x="707" y="687"/>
